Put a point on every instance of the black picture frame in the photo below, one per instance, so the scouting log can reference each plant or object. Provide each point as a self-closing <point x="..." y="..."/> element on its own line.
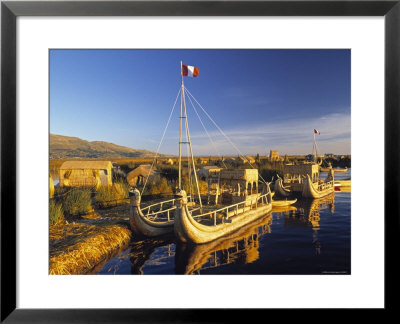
<point x="10" y="10"/>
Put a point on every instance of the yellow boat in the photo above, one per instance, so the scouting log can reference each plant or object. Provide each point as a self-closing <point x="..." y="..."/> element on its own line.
<point x="283" y="203"/>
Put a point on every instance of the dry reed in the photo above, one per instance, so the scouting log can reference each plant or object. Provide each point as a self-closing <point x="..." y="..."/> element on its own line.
<point x="78" y="248"/>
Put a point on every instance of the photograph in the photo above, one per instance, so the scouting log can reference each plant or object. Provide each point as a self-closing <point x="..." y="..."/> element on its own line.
<point x="199" y="161"/>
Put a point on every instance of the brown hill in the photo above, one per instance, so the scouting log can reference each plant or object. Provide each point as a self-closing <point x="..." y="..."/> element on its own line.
<point x="73" y="147"/>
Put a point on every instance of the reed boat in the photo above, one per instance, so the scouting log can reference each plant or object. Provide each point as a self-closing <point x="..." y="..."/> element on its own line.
<point x="190" y="229"/>
<point x="318" y="189"/>
<point x="233" y="197"/>
<point x="329" y="166"/>
<point x="280" y="188"/>
<point x="153" y="220"/>
<point x="334" y="170"/>
<point x="283" y="209"/>
<point x="343" y="185"/>
<point x="304" y="179"/>
<point x="283" y="203"/>
<point x="294" y="174"/>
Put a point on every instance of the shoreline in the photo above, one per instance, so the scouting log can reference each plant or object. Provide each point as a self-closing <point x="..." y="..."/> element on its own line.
<point x="79" y="248"/>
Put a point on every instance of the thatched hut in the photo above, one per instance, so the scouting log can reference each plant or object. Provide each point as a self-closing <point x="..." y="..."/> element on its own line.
<point x="138" y="176"/>
<point x="169" y="162"/>
<point x="245" y="159"/>
<point x="86" y="174"/>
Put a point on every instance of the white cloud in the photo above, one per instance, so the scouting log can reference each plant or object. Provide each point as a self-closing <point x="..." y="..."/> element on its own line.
<point x="292" y="136"/>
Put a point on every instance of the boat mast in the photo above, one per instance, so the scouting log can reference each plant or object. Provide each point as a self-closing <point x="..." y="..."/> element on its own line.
<point x="314" y="148"/>
<point x="180" y="135"/>
<point x="191" y="152"/>
<point x="183" y="105"/>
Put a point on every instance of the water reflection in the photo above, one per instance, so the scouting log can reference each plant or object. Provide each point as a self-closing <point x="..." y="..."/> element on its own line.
<point x="163" y="255"/>
<point x="241" y="247"/>
<point x="141" y="252"/>
<point x="309" y="213"/>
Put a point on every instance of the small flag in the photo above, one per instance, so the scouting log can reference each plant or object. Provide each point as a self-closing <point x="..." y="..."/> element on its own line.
<point x="190" y="71"/>
<point x="316" y="132"/>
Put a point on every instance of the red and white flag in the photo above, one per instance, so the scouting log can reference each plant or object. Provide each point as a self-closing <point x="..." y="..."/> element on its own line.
<point x="316" y="132"/>
<point x="190" y="71"/>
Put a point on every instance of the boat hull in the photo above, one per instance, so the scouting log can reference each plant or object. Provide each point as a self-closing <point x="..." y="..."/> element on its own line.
<point x="283" y="203"/>
<point x="279" y="188"/>
<point x="310" y="190"/>
<point x="334" y="170"/>
<point x="188" y="230"/>
<point x="142" y="225"/>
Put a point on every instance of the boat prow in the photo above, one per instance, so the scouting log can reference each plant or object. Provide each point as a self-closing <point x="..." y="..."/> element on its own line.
<point x="280" y="189"/>
<point x="145" y="225"/>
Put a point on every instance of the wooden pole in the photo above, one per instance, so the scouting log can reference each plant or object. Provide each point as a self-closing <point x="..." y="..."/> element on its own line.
<point x="180" y="136"/>
<point x="190" y="147"/>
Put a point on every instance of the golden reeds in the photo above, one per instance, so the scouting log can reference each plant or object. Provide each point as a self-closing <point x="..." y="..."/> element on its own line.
<point x="78" y="248"/>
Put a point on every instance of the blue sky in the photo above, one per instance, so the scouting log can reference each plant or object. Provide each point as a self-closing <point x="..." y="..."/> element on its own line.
<point x="261" y="99"/>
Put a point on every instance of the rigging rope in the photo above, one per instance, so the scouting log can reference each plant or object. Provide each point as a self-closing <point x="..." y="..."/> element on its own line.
<point x="189" y="169"/>
<point x="212" y="142"/>
<point x="224" y="134"/>
<point x="162" y="138"/>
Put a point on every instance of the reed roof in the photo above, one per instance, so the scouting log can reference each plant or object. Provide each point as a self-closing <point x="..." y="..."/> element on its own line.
<point x="143" y="170"/>
<point x="84" y="165"/>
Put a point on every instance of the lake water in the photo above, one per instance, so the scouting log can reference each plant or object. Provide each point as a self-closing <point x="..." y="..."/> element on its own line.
<point x="311" y="238"/>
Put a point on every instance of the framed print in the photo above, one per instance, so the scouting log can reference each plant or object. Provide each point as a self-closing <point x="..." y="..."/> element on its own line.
<point x="81" y="79"/>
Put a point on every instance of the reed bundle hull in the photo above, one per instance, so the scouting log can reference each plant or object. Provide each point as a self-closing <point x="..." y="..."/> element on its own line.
<point x="343" y="183"/>
<point x="188" y="230"/>
<point x="142" y="225"/>
<point x="334" y="170"/>
<point x="280" y="189"/>
<point x="310" y="190"/>
<point x="283" y="203"/>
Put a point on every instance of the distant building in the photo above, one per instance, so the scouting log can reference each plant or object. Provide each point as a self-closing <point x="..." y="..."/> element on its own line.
<point x="274" y="156"/>
<point x="86" y="174"/>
